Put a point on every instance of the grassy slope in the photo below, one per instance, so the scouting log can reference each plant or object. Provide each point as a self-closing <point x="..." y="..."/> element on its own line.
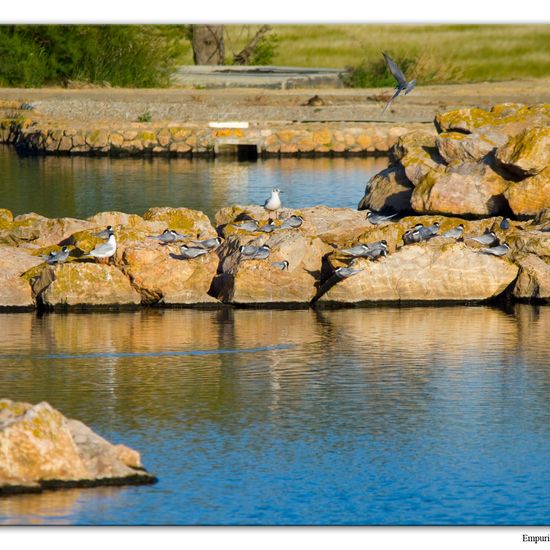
<point x="480" y="52"/>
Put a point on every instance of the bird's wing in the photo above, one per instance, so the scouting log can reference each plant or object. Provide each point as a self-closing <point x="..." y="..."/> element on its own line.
<point x="397" y="92"/>
<point x="395" y="71"/>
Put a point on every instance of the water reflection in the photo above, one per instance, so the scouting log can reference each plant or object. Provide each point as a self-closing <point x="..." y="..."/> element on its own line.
<point x="379" y="415"/>
<point x="81" y="186"/>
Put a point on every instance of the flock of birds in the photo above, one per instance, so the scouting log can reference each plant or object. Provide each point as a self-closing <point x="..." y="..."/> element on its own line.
<point x="373" y="251"/>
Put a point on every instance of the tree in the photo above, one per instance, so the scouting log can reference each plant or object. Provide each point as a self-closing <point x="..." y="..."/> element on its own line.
<point x="208" y="44"/>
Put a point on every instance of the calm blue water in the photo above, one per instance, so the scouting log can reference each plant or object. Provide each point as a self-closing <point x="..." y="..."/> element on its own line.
<point x="82" y="186"/>
<point x="362" y="416"/>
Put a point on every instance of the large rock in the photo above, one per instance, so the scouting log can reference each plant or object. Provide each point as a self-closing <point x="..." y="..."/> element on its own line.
<point x="527" y="153"/>
<point x="417" y="153"/>
<point x="184" y="220"/>
<point x="457" y="147"/>
<point x="436" y="270"/>
<point x="332" y="225"/>
<point x="41" y="231"/>
<point x="531" y="195"/>
<point x="162" y="276"/>
<point x="533" y="282"/>
<point x="15" y="291"/>
<point x="388" y="190"/>
<point x="506" y="119"/>
<point x="40" y="448"/>
<point x="87" y="284"/>
<point x="532" y="241"/>
<point x="468" y="189"/>
<point x="259" y="282"/>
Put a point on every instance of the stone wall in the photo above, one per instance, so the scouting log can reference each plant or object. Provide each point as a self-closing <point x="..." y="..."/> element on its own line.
<point x="199" y="139"/>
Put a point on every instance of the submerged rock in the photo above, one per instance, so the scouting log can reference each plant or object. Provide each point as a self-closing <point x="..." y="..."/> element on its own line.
<point x="40" y="448"/>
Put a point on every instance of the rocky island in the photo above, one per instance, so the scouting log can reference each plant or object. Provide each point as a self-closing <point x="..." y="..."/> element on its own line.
<point x="485" y="171"/>
<point x="42" y="449"/>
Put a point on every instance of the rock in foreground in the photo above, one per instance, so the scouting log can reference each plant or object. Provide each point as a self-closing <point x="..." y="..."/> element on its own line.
<point x="42" y="449"/>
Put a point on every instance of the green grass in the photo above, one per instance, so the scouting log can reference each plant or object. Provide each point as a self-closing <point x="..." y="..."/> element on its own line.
<point x="463" y="53"/>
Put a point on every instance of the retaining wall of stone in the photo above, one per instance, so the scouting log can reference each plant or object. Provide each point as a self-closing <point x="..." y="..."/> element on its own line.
<point x="173" y="139"/>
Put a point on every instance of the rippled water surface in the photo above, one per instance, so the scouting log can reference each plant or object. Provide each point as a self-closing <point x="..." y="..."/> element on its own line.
<point x="356" y="416"/>
<point x="82" y="186"/>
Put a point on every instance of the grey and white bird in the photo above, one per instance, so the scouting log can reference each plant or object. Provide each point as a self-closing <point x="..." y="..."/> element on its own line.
<point x="413" y="235"/>
<point x="505" y="224"/>
<point x="169" y="236"/>
<point x="255" y="252"/>
<point x="489" y="238"/>
<point x="376" y="219"/>
<point x="365" y="250"/>
<point x="208" y="244"/>
<point x="105" y="233"/>
<point x="345" y="272"/>
<point x="269" y="227"/>
<point x="402" y="84"/>
<point x="104" y="250"/>
<point x="454" y="233"/>
<point x="248" y="225"/>
<point x="281" y="265"/>
<point x="293" y="222"/>
<point x="500" y="250"/>
<point x="356" y="251"/>
<point x="428" y="232"/>
<point x="378" y="244"/>
<point x="58" y="257"/>
<point x="376" y="253"/>
<point x="190" y="252"/>
<point x="274" y="202"/>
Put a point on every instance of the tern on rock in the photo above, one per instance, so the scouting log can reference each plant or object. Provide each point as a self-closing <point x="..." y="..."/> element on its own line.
<point x="291" y="223"/>
<point x="489" y="238"/>
<point x="281" y="265"/>
<point x="402" y="84"/>
<point x="500" y="250"/>
<point x="58" y="257"/>
<point x="168" y="236"/>
<point x="190" y="252"/>
<point x="208" y="244"/>
<point x="376" y="219"/>
<point x="454" y="233"/>
<point x="248" y="225"/>
<point x="105" y="233"/>
<point x="345" y="272"/>
<point x="255" y="252"/>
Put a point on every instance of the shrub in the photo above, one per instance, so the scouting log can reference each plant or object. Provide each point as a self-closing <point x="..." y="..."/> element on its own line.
<point x="122" y="55"/>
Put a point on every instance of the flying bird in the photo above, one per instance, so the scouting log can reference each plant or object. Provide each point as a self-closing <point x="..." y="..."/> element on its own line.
<point x="402" y="84"/>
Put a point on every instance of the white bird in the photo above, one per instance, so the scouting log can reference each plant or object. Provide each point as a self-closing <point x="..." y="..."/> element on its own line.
<point x="104" y="250"/>
<point x="274" y="202"/>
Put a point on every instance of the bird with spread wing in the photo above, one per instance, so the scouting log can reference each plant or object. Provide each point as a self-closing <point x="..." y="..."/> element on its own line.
<point x="402" y="84"/>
